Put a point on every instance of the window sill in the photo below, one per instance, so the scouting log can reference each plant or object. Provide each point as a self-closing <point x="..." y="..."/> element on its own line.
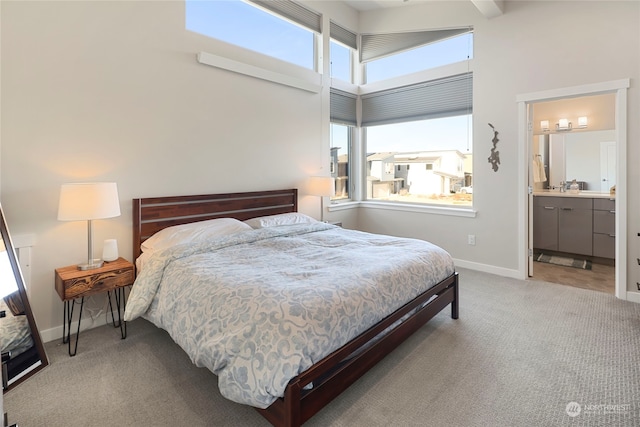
<point x="312" y="84"/>
<point x="404" y="207"/>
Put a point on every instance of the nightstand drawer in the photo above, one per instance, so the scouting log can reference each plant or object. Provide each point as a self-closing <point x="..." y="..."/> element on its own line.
<point x="72" y="283"/>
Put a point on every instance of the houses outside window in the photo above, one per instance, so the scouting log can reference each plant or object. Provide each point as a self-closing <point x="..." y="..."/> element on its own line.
<point x="427" y="155"/>
<point x="341" y="137"/>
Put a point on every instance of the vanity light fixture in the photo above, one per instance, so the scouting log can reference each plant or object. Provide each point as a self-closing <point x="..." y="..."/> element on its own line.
<point x="582" y="122"/>
<point x="544" y="125"/>
<point x="563" y="125"/>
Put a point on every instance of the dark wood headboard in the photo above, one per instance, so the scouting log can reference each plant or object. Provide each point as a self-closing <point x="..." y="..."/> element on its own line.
<point x="152" y="214"/>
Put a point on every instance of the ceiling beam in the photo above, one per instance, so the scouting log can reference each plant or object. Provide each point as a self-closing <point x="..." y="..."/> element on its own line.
<point x="489" y="8"/>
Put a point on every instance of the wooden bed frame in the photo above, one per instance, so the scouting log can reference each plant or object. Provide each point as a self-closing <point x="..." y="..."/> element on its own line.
<point x="337" y="371"/>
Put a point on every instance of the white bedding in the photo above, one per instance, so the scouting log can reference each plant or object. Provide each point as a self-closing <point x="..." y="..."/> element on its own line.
<point x="15" y="335"/>
<point x="259" y="307"/>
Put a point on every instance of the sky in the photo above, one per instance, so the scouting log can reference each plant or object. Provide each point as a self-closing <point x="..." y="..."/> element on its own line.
<point x="453" y="133"/>
<point x="245" y="25"/>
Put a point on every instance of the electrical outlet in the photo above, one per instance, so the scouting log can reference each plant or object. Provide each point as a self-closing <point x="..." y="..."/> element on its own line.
<point x="471" y="239"/>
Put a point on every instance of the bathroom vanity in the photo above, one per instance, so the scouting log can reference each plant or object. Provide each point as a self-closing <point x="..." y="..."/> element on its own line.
<point x="582" y="223"/>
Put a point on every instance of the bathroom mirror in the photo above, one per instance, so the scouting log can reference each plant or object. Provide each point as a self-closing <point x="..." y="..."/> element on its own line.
<point x="587" y="157"/>
<point x="22" y="350"/>
<point x="585" y="152"/>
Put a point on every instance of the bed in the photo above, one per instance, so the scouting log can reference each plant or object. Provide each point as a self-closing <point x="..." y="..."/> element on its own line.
<point x="16" y="338"/>
<point x="342" y="299"/>
<point x="15" y="335"/>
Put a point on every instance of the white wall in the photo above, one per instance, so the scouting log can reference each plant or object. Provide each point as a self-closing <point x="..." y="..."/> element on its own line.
<point x="533" y="46"/>
<point x="112" y="91"/>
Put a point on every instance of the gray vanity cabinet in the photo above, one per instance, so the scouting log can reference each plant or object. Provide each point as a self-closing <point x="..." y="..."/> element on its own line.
<point x="604" y="228"/>
<point x="575" y="226"/>
<point x="563" y="224"/>
<point x="545" y="223"/>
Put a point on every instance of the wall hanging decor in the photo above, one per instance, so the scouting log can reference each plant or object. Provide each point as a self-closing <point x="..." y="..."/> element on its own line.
<point x="494" y="158"/>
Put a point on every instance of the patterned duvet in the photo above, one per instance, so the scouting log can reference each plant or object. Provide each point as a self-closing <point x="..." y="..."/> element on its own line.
<point x="15" y="335"/>
<point x="261" y="306"/>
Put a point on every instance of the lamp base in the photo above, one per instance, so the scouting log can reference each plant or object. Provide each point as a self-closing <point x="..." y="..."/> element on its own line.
<point x="94" y="263"/>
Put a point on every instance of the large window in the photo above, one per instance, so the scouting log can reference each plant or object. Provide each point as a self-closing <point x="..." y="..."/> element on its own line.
<point x="343" y="122"/>
<point x="244" y="24"/>
<point x="340" y="165"/>
<point x="424" y="161"/>
<point x="418" y="137"/>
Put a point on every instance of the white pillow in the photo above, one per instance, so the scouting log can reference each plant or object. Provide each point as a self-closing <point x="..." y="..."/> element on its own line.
<point x="280" y="219"/>
<point x="193" y="232"/>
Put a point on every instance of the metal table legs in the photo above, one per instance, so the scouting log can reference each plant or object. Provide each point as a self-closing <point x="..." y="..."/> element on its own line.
<point x="66" y="324"/>
<point x="119" y="295"/>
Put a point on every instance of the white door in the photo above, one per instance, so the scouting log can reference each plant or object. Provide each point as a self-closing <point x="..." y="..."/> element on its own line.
<point x="530" y="185"/>
<point x="607" y="166"/>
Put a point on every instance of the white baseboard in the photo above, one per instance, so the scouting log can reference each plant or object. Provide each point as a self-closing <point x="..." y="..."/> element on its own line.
<point x="56" y="333"/>
<point x="633" y="296"/>
<point x="486" y="268"/>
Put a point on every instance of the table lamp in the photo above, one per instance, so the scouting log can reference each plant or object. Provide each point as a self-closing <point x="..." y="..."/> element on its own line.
<point x="323" y="186"/>
<point x="86" y="202"/>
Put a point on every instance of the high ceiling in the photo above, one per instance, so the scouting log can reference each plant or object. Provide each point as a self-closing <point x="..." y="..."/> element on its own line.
<point x="489" y="8"/>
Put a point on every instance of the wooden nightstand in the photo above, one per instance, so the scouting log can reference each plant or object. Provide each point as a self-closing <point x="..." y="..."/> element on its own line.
<point x="73" y="284"/>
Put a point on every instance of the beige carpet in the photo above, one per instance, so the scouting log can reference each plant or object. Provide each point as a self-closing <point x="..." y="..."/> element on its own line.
<point x="519" y="355"/>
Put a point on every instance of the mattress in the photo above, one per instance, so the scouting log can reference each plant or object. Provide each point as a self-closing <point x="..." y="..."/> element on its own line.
<point x="259" y="307"/>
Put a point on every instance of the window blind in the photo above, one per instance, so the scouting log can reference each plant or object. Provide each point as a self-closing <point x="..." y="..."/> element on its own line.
<point x="446" y="97"/>
<point x="343" y="35"/>
<point x="294" y="12"/>
<point x="376" y="46"/>
<point x="343" y="107"/>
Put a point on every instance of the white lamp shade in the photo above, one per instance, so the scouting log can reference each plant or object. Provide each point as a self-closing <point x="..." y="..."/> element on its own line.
<point x="322" y="186"/>
<point x="86" y="201"/>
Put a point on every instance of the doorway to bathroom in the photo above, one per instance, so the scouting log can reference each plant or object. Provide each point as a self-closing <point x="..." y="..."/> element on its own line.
<point x="558" y="221"/>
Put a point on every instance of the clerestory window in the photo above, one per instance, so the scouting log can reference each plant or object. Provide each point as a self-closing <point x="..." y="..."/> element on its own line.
<point x="392" y="55"/>
<point x="283" y="29"/>
<point x="342" y="47"/>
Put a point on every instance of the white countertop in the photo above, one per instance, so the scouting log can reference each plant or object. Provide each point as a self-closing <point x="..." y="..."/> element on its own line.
<point x="582" y="194"/>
